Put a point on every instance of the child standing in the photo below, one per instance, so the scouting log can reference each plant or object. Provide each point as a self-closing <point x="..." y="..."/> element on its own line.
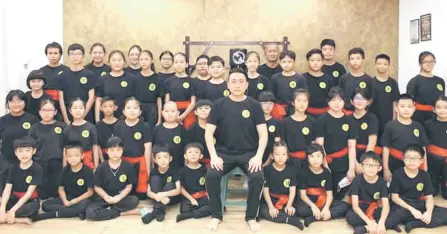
<point x="216" y="87"/>
<point x="196" y="134"/>
<point x="105" y="126"/>
<point x="134" y="67"/>
<point x="98" y="52"/>
<point x="257" y="83"/>
<point x="36" y="82"/>
<point x="267" y="100"/>
<point x="331" y="66"/>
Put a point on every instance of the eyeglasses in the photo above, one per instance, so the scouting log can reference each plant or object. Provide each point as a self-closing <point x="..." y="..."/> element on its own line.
<point x="429" y="62"/>
<point x="371" y="166"/>
<point x="411" y="159"/>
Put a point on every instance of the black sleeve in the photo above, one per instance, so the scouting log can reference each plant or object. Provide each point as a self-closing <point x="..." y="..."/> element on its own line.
<point x="342" y="70"/>
<point x="166" y="87"/>
<point x="258" y="114"/>
<point x="154" y="135"/>
<point x="89" y="178"/>
<point x="65" y="133"/>
<point x="10" y="176"/>
<point x="319" y="127"/>
<point x="175" y="176"/>
<point x="266" y="178"/>
<point x="93" y="135"/>
<point x="373" y="128"/>
<point x="355" y="187"/>
<point x="386" y="136"/>
<point x="328" y="186"/>
<point x="302" y="183"/>
<point x="192" y="89"/>
<point x="147" y="135"/>
<point x="98" y="177"/>
<point x="395" y="186"/>
<point x="37" y="175"/>
<point x="412" y="87"/>
<point x="424" y="139"/>
<point x="428" y="186"/>
<point x="396" y="92"/>
<point x="61" y="178"/>
<point x="293" y="173"/>
<point x="214" y="114"/>
<point x="100" y="87"/>
<point x="302" y="84"/>
<point x="384" y="190"/>
<point x="353" y="130"/>
<point x="266" y="82"/>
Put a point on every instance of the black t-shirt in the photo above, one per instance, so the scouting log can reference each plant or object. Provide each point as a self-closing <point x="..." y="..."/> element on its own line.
<point x="197" y="134"/>
<point x="171" y="175"/>
<point x="11" y="129"/>
<point x="336" y="133"/>
<point x="175" y="138"/>
<point x="21" y="179"/>
<point x="99" y="71"/>
<point x="179" y="89"/>
<point x="86" y="134"/>
<point x="398" y="135"/>
<point x="193" y="180"/>
<point x="308" y="179"/>
<point x="298" y="135"/>
<point x="114" y="184"/>
<point x="133" y="137"/>
<point x="49" y="140"/>
<point x="411" y="189"/>
<point x="147" y="88"/>
<point x="200" y="86"/>
<point x="132" y="71"/>
<point x="436" y="133"/>
<point x="385" y="93"/>
<point x="274" y="130"/>
<point x="213" y="92"/>
<point x="367" y="125"/>
<point x="425" y="90"/>
<point x="349" y="83"/>
<point x="279" y="182"/>
<point x="267" y="71"/>
<point x="258" y="85"/>
<point x="368" y="192"/>
<point x="236" y="124"/>
<point x="77" y="84"/>
<point x="105" y="131"/>
<point x="33" y="104"/>
<point x="319" y="88"/>
<point x="118" y="88"/>
<point x="335" y="70"/>
<point x="52" y="75"/>
<point x="284" y="86"/>
<point x="76" y="183"/>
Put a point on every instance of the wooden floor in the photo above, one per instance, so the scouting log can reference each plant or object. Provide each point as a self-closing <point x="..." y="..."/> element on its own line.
<point x="233" y="224"/>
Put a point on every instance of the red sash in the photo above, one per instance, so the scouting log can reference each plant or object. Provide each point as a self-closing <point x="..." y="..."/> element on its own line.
<point x="190" y="119"/>
<point x="53" y="93"/>
<point x="373" y="206"/>
<point x="279" y="111"/>
<point x="88" y="159"/>
<point x="348" y="112"/>
<point x="282" y="200"/>
<point x="321" y="193"/>
<point x="399" y="155"/>
<point x="206" y="161"/>
<point x="200" y="194"/>
<point x="422" y="107"/>
<point x="298" y="155"/>
<point x="143" y="177"/>
<point x="438" y="151"/>
<point x="377" y="149"/>
<point x="34" y="195"/>
<point x="339" y="154"/>
<point x="317" y="110"/>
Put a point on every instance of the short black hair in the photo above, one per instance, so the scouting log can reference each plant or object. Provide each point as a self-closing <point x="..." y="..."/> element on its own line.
<point x="24" y="142"/>
<point x="329" y="42"/>
<point x="15" y="93"/>
<point x="356" y="50"/>
<point x="266" y="96"/>
<point x="405" y="96"/>
<point x="106" y="99"/>
<point x="74" y="145"/>
<point x="371" y="155"/>
<point x="424" y="54"/>
<point x="300" y="91"/>
<point x="203" y="56"/>
<point x="383" y="56"/>
<point x="216" y="59"/>
<point x="287" y="53"/>
<point x="76" y="46"/>
<point x="415" y="148"/>
<point x="335" y="92"/>
<point x="114" y="142"/>
<point x="364" y="92"/>
<point x="134" y="47"/>
<point x="440" y="98"/>
<point x="280" y="143"/>
<point x="237" y="70"/>
<point x="314" y="51"/>
<point x="54" y="45"/>
<point x="314" y="147"/>
<point x="166" y="52"/>
<point x="203" y="102"/>
<point x="161" y="148"/>
<point x="99" y="45"/>
<point x="70" y="104"/>
<point x="194" y="145"/>
<point x="36" y="75"/>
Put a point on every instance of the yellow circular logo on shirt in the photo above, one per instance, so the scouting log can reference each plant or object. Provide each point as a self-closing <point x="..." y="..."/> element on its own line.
<point x="376" y="196"/>
<point x="137" y="135"/>
<point x="177" y="140"/>
<point x="28" y="179"/>
<point x="362" y="85"/>
<point x="420" y="187"/>
<point x="272" y="128"/>
<point x="60" y="72"/>
<point x="80" y="182"/>
<point x="186" y="85"/>
<point x="439" y="86"/>
<point x="246" y="114"/>
<point x="85" y="133"/>
<point x="58" y="130"/>
<point x="226" y="93"/>
<point x="202" y="181"/>
<point x="323" y="183"/>
<point x="323" y="85"/>
<point x="103" y="73"/>
<point x="416" y="132"/>
<point x="26" y="125"/>
<point x="292" y="84"/>
<point x="169" y="179"/>
<point x="364" y="126"/>
<point x="260" y="86"/>
<point x="305" y="131"/>
<point x="335" y="74"/>
<point x="124" y="84"/>
<point x="83" y="80"/>
<point x="345" y="127"/>
<point x="388" y="89"/>
<point x="123" y="178"/>
<point x="286" y="183"/>
<point x="152" y="87"/>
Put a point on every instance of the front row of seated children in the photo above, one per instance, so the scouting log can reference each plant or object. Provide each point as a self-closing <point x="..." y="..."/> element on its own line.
<point x="288" y="195"/>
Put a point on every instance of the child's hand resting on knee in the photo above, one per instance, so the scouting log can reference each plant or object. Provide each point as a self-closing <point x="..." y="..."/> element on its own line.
<point x="316" y="212"/>
<point x="290" y="210"/>
<point x="194" y="202"/>
<point x="273" y="212"/>
<point x="165" y="200"/>
<point x="325" y="214"/>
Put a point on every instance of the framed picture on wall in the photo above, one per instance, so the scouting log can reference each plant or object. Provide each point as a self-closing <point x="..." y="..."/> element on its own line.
<point x="414" y="31"/>
<point x="426" y="27"/>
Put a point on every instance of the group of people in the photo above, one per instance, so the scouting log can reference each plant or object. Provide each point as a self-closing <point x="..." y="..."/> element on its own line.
<point x="92" y="141"/>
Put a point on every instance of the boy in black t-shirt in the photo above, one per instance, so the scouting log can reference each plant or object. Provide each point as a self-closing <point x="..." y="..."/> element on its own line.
<point x="164" y="185"/>
<point x="105" y="126"/>
<point x="75" y="188"/>
<point x="330" y="66"/>
<point x="192" y="180"/>
<point x="197" y="132"/>
<point x="20" y="199"/>
<point x="113" y="183"/>
<point x="412" y="194"/>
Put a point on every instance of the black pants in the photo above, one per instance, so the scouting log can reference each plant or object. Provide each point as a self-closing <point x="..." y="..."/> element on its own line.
<point x="56" y="204"/>
<point x="400" y="215"/>
<point x="338" y="209"/>
<point x="159" y="185"/>
<point x="28" y="209"/>
<point x="255" y="185"/>
<point x="354" y="219"/>
<point x="437" y="168"/>
<point x="281" y="218"/>
<point x="336" y="178"/>
<point x="150" y="113"/>
<point x="100" y="210"/>
<point x="200" y="211"/>
<point x="52" y="169"/>
<point x="4" y="167"/>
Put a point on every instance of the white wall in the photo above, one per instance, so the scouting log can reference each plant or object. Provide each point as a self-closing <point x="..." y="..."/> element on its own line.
<point x="26" y="26"/>
<point x="409" y="53"/>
